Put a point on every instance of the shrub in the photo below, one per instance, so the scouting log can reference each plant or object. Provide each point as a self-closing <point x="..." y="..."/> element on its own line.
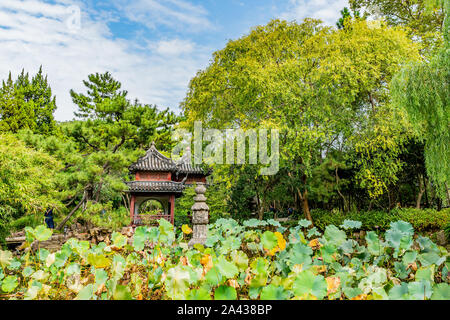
<point x="447" y="231"/>
<point x="425" y="219"/>
<point x="422" y="220"/>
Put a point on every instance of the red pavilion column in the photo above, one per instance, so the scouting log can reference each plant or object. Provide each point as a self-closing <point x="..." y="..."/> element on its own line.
<point x="172" y="209"/>
<point x="133" y="200"/>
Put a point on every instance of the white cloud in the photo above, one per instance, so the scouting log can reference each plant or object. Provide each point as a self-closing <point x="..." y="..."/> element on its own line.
<point x="174" y="47"/>
<point x="177" y="14"/>
<point x="34" y="33"/>
<point x="326" y="10"/>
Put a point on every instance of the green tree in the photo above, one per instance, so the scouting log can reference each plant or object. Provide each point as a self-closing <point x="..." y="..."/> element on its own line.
<point x="15" y="113"/>
<point x="346" y="14"/>
<point x="28" y="181"/>
<point x="422" y="89"/>
<point x="112" y="134"/>
<point x="27" y="104"/>
<point x="324" y="89"/>
<point x="423" y="19"/>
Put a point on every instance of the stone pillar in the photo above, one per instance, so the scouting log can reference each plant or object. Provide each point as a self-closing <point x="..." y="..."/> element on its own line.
<point x="200" y="217"/>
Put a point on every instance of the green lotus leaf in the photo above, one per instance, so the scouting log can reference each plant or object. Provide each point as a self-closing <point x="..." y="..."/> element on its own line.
<point x="373" y="243"/>
<point x="27" y="271"/>
<point x="269" y="240"/>
<point x="231" y="243"/>
<point x="240" y="259"/>
<point x="347" y="246"/>
<point x="379" y="294"/>
<point x="214" y="277"/>
<point x="306" y="283"/>
<point x="406" y="242"/>
<point x="198" y="294"/>
<point x="9" y="284"/>
<point x="199" y="247"/>
<point x="399" y="292"/>
<point x="42" y="233"/>
<point x="260" y="266"/>
<point x="254" y="292"/>
<point x="274" y="223"/>
<point x="100" y="278"/>
<point x="225" y="293"/>
<point x="14" y="264"/>
<point x="333" y="235"/>
<point x="409" y="257"/>
<point x="253" y="223"/>
<point x="404" y="227"/>
<point x="177" y="282"/>
<point x="329" y="253"/>
<point x="312" y="232"/>
<point x="226" y="268"/>
<point x="118" y="266"/>
<point x="350" y="293"/>
<point x="141" y="235"/>
<point x="426" y="244"/>
<point x="99" y="261"/>
<point x="32" y="293"/>
<point x="428" y="258"/>
<point x="393" y="238"/>
<point x="122" y="293"/>
<point x="5" y="258"/>
<point x="425" y="273"/>
<point x="301" y="248"/>
<point x="420" y="290"/>
<point x="441" y="291"/>
<point x="351" y="224"/>
<point x="43" y="254"/>
<point x="60" y="259"/>
<point x="259" y="280"/>
<point x="304" y="223"/>
<point x="299" y="258"/>
<point x="73" y="268"/>
<point x="378" y="276"/>
<point x="40" y="275"/>
<point x="86" y="293"/>
<point x="272" y="292"/>
<point x="118" y="239"/>
<point x="401" y="270"/>
<point x="211" y="241"/>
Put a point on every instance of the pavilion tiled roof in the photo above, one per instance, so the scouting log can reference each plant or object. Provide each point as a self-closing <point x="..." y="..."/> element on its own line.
<point x="153" y="161"/>
<point x="155" y="186"/>
<point x="156" y="161"/>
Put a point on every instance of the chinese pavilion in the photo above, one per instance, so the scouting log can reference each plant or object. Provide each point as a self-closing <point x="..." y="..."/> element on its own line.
<point x="160" y="178"/>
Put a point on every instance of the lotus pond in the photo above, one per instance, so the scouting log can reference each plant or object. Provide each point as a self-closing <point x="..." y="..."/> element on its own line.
<point x="253" y="260"/>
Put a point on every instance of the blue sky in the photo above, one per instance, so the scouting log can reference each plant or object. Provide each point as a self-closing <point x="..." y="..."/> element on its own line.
<point x="153" y="47"/>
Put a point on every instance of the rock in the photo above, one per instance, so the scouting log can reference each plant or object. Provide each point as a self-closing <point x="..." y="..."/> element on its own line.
<point x="441" y="239"/>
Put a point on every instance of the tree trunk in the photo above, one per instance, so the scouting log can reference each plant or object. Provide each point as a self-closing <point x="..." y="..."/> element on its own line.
<point x="346" y="208"/>
<point x="421" y="192"/>
<point x="261" y="212"/>
<point x="59" y="227"/>
<point x="448" y="194"/>
<point x="305" y="206"/>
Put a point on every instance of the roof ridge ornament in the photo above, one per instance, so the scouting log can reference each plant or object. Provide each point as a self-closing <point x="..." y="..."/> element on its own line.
<point x="186" y="158"/>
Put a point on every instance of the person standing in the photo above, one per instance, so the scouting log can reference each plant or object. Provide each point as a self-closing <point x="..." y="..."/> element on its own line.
<point x="49" y="218"/>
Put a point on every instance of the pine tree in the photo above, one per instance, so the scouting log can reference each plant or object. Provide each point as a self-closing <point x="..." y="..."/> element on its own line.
<point x="27" y="104"/>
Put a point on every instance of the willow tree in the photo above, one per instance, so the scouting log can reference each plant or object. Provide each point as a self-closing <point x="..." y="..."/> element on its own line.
<point x="422" y="89"/>
<point x="423" y="19"/>
<point x="324" y="89"/>
<point x="28" y="181"/>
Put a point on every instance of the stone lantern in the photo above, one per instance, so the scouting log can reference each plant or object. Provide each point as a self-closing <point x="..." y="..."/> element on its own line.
<point x="200" y="217"/>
